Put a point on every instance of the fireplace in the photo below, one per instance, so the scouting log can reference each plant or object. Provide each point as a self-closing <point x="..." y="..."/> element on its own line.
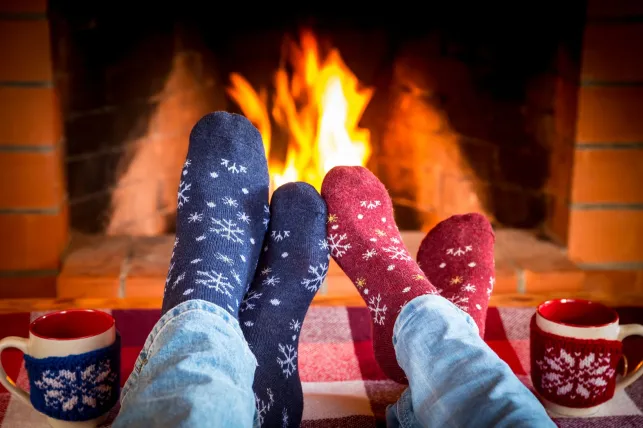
<point x="517" y="113"/>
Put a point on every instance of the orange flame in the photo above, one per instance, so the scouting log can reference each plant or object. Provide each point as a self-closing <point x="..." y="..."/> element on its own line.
<point x="319" y="107"/>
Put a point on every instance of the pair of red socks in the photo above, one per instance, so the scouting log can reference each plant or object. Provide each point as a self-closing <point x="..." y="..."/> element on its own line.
<point x="455" y="259"/>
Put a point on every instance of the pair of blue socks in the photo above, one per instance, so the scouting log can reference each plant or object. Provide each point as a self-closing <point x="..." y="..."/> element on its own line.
<point x="262" y="263"/>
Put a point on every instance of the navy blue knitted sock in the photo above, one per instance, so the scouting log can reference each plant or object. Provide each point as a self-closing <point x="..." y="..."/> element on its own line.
<point x="222" y="214"/>
<point x="291" y="270"/>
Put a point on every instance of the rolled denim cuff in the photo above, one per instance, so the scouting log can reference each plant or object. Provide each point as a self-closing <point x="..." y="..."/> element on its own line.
<point x="77" y="387"/>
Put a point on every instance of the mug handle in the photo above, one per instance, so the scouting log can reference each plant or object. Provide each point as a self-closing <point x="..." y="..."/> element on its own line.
<point x="19" y="343"/>
<point x="625" y="331"/>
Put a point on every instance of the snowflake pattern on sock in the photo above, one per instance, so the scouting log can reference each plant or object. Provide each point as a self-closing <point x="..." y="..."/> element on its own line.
<point x="290" y="272"/>
<point x="364" y="240"/>
<point x="457" y="257"/>
<point x="220" y="213"/>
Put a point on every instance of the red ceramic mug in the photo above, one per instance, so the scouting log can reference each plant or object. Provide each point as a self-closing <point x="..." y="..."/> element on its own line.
<point x="576" y="347"/>
<point x="61" y="334"/>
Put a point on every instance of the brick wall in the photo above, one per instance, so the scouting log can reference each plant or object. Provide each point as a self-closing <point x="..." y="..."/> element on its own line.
<point x="606" y="215"/>
<point x="132" y="86"/>
<point x="33" y="214"/>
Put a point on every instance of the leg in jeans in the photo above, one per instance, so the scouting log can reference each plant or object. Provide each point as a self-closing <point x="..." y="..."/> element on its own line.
<point x="419" y="337"/>
<point x="455" y="379"/>
<point x="195" y="370"/>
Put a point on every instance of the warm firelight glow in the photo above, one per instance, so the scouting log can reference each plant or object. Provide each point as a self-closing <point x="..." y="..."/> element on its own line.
<point x="318" y="106"/>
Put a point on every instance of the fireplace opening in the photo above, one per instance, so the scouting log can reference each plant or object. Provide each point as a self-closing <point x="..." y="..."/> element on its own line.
<point x="455" y="110"/>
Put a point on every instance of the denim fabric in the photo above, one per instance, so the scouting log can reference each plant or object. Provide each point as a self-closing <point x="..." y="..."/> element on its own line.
<point x="195" y="370"/>
<point x="455" y="379"/>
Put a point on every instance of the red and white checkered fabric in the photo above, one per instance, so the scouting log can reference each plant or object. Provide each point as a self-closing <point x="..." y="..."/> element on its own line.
<point x="342" y="383"/>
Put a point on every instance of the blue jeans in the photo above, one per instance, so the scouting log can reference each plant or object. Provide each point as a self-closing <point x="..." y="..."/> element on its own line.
<point x="196" y="370"/>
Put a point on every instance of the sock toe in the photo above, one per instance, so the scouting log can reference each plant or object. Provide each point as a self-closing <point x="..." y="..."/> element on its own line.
<point x="297" y="195"/>
<point x="222" y="127"/>
<point x="341" y="179"/>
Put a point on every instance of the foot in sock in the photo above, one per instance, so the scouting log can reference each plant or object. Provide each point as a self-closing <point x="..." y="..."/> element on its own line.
<point x="365" y="242"/>
<point x="291" y="270"/>
<point x="222" y="214"/>
<point x="457" y="257"/>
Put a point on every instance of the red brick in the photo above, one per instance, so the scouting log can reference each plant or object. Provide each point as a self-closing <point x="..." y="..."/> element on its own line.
<point x="93" y="266"/>
<point x="25" y="50"/>
<point x="33" y="180"/>
<point x="614" y="8"/>
<point x="608" y="176"/>
<point x="23" y="6"/>
<point x="28" y="287"/>
<point x="613" y="53"/>
<point x="32" y="241"/>
<point x="606" y="236"/>
<point x="608" y="114"/>
<point x="29" y="116"/>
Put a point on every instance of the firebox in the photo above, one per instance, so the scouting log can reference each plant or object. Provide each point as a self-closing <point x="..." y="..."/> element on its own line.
<point x="521" y="112"/>
<point x="453" y="111"/>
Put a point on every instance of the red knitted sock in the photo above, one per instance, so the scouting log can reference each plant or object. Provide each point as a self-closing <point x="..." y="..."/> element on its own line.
<point x="457" y="256"/>
<point x="363" y="239"/>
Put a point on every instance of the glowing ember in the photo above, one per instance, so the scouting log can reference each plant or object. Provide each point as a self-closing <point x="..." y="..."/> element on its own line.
<point x="318" y="106"/>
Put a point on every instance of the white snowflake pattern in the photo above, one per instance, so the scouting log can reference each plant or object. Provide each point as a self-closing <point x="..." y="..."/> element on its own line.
<point x="397" y="253"/>
<point x="248" y="302"/>
<point x="369" y="254"/>
<point x="227" y="229"/>
<point x="395" y="240"/>
<point x="182" y="198"/>
<point x="284" y="418"/>
<point x="242" y="257"/>
<point x="263" y="407"/>
<point x="591" y="373"/>
<point x="248" y="323"/>
<point x="195" y="218"/>
<point x="390" y="267"/>
<point x="178" y="280"/>
<point x="275" y="302"/>
<point x="318" y="274"/>
<point x="265" y="222"/>
<point x="370" y="204"/>
<point x="265" y="271"/>
<point x="279" y="235"/>
<point x="287" y="361"/>
<point x="470" y="288"/>
<point x="294" y="325"/>
<point x="230" y="202"/>
<point x="211" y="204"/>
<point x="243" y="217"/>
<point x="199" y="238"/>
<point x="187" y="163"/>
<point x="223" y="258"/>
<point x="459" y="251"/>
<point x="460" y="301"/>
<point x="216" y="281"/>
<point x="67" y="390"/>
<point x="335" y="243"/>
<point x="271" y="280"/>
<point x="379" y="312"/>
<point x="214" y="175"/>
<point x="195" y="261"/>
<point x="236" y="276"/>
<point x="233" y="167"/>
<point x="244" y="191"/>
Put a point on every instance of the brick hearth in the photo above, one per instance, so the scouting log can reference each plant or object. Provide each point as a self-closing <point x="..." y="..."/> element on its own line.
<point x="135" y="267"/>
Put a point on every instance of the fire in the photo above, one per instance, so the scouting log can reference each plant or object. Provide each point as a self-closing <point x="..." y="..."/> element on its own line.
<point x="318" y="105"/>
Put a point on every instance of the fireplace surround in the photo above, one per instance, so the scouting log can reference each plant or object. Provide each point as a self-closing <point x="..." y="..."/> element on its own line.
<point x="525" y="114"/>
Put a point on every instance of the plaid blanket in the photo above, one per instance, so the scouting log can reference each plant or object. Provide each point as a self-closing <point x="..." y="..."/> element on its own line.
<point x="342" y="383"/>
